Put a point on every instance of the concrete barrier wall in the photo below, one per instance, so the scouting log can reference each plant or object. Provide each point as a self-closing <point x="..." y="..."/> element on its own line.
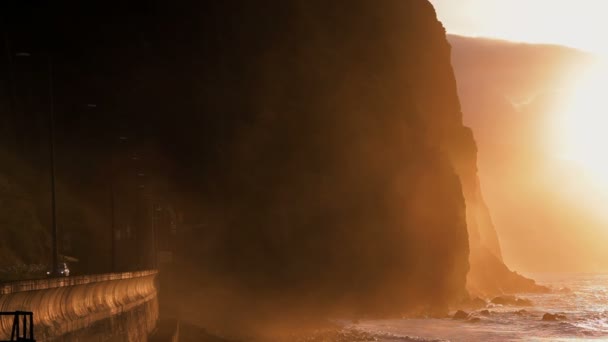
<point x="85" y="308"/>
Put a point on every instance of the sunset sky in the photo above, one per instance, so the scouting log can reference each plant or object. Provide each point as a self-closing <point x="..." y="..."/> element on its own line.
<point x="566" y="183"/>
<point x="580" y="24"/>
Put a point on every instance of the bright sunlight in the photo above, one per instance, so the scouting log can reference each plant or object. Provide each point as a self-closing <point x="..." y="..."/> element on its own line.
<point x="582" y="120"/>
<point x="580" y="24"/>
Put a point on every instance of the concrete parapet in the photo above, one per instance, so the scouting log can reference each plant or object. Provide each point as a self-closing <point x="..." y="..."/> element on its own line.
<point x="69" y="306"/>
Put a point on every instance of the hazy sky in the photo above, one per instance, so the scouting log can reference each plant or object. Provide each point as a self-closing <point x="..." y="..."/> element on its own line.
<point x="576" y="23"/>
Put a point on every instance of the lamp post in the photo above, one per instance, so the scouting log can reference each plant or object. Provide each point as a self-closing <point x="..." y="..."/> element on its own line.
<point x="113" y="180"/>
<point x="156" y="209"/>
<point x="55" y="246"/>
<point x="113" y="230"/>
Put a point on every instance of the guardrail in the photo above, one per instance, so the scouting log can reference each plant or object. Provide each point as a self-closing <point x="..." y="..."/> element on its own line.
<point x="79" y="305"/>
<point x="49" y="283"/>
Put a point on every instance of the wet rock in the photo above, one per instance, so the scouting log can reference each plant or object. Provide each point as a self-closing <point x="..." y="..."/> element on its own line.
<point x="523" y="302"/>
<point x="474" y="320"/>
<point x="511" y="300"/>
<point x="476" y="303"/>
<point x="460" y="315"/>
<point x="553" y="317"/>
<point x="320" y="335"/>
<point x="521" y="312"/>
<point x="484" y="312"/>
<point x="503" y="300"/>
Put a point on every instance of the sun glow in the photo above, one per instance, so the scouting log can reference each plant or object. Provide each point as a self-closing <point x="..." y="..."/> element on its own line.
<point x="582" y="117"/>
<point x="580" y="24"/>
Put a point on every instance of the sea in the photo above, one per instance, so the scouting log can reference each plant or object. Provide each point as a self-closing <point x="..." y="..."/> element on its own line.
<point x="581" y="298"/>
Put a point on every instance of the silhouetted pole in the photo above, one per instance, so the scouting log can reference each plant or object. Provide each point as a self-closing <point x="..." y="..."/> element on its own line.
<point x="113" y="183"/>
<point x="113" y="227"/>
<point x="154" y="247"/>
<point x="55" y="249"/>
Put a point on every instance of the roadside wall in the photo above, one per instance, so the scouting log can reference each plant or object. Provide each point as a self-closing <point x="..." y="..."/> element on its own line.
<point x="118" y="306"/>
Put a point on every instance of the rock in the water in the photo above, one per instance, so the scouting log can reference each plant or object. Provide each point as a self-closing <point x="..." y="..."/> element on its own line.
<point x="460" y="315"/>
<point x="474" y="320"/>
<point x="553" y="317"/>
<point x="549" y="317"/>
<point x="503" y="300"/>
<point x="523" y="302"/>
<point x="521" y="312"/>
<point x="484" y="312"/>
<point x="511" y="300"/>
<point x="476" y="303"/>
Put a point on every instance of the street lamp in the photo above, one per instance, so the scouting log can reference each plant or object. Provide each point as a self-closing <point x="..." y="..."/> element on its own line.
<point x="52" y="152"/>
<point x="114" y="236"/>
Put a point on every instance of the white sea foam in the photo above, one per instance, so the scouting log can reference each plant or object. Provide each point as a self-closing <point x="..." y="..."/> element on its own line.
<point x="583" y="299"/>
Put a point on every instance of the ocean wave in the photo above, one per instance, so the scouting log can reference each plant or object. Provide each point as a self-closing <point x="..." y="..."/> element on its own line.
<point x="386" y="337"/>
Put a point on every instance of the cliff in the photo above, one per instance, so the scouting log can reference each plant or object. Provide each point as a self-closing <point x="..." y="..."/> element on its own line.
<point x="338" y="179"/>
<point x="489" y="275"/>
<point x="317" y="148"/>
<point x="336" y="182"/>
<point x="511" y="93"/>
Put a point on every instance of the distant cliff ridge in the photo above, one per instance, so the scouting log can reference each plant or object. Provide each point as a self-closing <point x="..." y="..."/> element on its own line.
<point x="511" y="93"/>
<point x="488" y="274"/>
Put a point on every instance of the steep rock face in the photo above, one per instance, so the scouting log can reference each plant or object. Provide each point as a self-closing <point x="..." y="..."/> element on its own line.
<point x="479" y="222"/>
<point x="321" y="143"/>
<point x="488" y="275"/>
<point x="436" y="90"/>
<point x="337" y="181"/>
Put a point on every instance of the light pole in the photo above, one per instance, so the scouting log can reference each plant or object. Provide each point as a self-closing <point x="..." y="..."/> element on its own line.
<point x="156" y="209"/>
<point x="113" y="228"/>
<point x="113" y="179"/>
<point x="55" y="247"/>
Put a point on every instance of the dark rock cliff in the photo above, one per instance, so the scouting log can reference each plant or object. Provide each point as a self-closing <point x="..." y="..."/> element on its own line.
<point x="489" y="74"/>
<point x="339" y="177"/>
<point x="316" y="147"/>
